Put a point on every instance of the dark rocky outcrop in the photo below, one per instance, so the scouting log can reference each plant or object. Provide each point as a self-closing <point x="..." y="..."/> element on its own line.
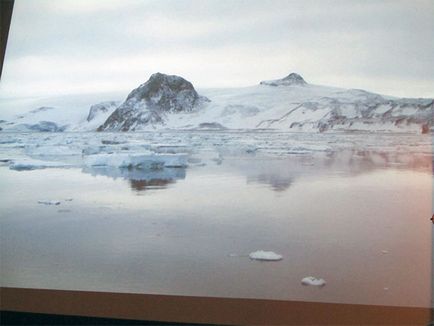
<point x="291" y="80"/>
<point x="211" y="126"/>
<point x="152" y="101"/>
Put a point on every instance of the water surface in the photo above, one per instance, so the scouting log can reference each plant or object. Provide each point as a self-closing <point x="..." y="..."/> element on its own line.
<point x="353" y="210"/>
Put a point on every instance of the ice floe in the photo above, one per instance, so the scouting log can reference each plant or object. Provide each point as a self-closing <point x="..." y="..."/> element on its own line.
<point x="265" y="255"/>
<point x="49" y="202"/>
<point x="171" y="148"/>
<point x="30" y="164"/>
<point x="311" y="280"/>
<point x="51" y="150"/>
<point x="142" y="160"/>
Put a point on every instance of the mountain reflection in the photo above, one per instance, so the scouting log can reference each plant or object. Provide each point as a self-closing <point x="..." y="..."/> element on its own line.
<point x="274" y="181"/>
<point x="141" y="185"/>
<point x="140" y="179"/>
<point x="278" y="174"/>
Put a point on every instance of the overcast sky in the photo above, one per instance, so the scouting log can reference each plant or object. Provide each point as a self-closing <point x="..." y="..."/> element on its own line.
<point x="66" y="47"/>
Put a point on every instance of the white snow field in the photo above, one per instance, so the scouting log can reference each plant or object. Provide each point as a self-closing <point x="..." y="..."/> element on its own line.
<point x="285" y="105"/>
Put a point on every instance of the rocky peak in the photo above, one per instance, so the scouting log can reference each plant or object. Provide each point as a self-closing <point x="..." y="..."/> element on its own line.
<point x="150" y="103"/>
<point x="168" y="93"/>
<point x="291" y="80"/>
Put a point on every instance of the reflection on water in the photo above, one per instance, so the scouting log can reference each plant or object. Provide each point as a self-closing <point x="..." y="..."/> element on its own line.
<point x="275" y="181"/>
<point x="141" y="185"/>
<point x="140" y="179"/>
<point x="356" y="217"/>
<point x="281" y="173"/>
<point x="278" y="173"/>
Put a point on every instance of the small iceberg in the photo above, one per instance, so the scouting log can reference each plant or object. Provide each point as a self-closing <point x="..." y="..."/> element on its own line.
<point x="265" y="255"/>
<point x="29" y="164"/>
<point x="143" y="160"/>
<point x="49" y="202"/>
<point x="310" y="280"/>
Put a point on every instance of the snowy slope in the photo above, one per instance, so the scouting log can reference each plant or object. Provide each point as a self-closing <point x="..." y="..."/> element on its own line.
<point x="308" y="108"/>
<point x="287" y="104"/>
<point x="62" y="113"/>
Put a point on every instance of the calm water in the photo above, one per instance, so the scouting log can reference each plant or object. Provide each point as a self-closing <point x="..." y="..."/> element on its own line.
<point x="357" y="216"/>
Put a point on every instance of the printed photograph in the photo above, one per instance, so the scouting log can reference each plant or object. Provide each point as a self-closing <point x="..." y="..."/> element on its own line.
<point x="259" y="149"/>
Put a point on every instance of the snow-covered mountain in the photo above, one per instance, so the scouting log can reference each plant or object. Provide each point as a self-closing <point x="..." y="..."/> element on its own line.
<point x="287" y="104"/>
<point x="149" y="104"/>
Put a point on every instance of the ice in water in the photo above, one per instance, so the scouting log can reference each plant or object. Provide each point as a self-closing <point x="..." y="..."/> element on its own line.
<point x="265" y="255"/>
<point x="311" y="280"/>
<point x="49" y="202"/>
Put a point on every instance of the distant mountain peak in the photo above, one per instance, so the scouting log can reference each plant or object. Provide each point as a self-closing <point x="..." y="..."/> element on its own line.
<point x="293" y="79"/>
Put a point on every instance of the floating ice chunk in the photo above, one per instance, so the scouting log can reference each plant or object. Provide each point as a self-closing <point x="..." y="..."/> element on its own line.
<point x="91" y="150"/>
<point x="112" y="142"/>
<point x="384" y="252"/>
<point x="30" y="164"/>
<point x="195" y="161"/>
<point x="310" y="280"/>
<point x="265" y="255"/>
<point x="49" y="202"/>
<point x="142" y="160"/>
<point x="171" y="148"/>
<point x="54" y="150"/>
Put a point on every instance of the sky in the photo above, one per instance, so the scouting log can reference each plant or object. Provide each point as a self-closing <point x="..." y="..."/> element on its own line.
<point x="87" y="46"/>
